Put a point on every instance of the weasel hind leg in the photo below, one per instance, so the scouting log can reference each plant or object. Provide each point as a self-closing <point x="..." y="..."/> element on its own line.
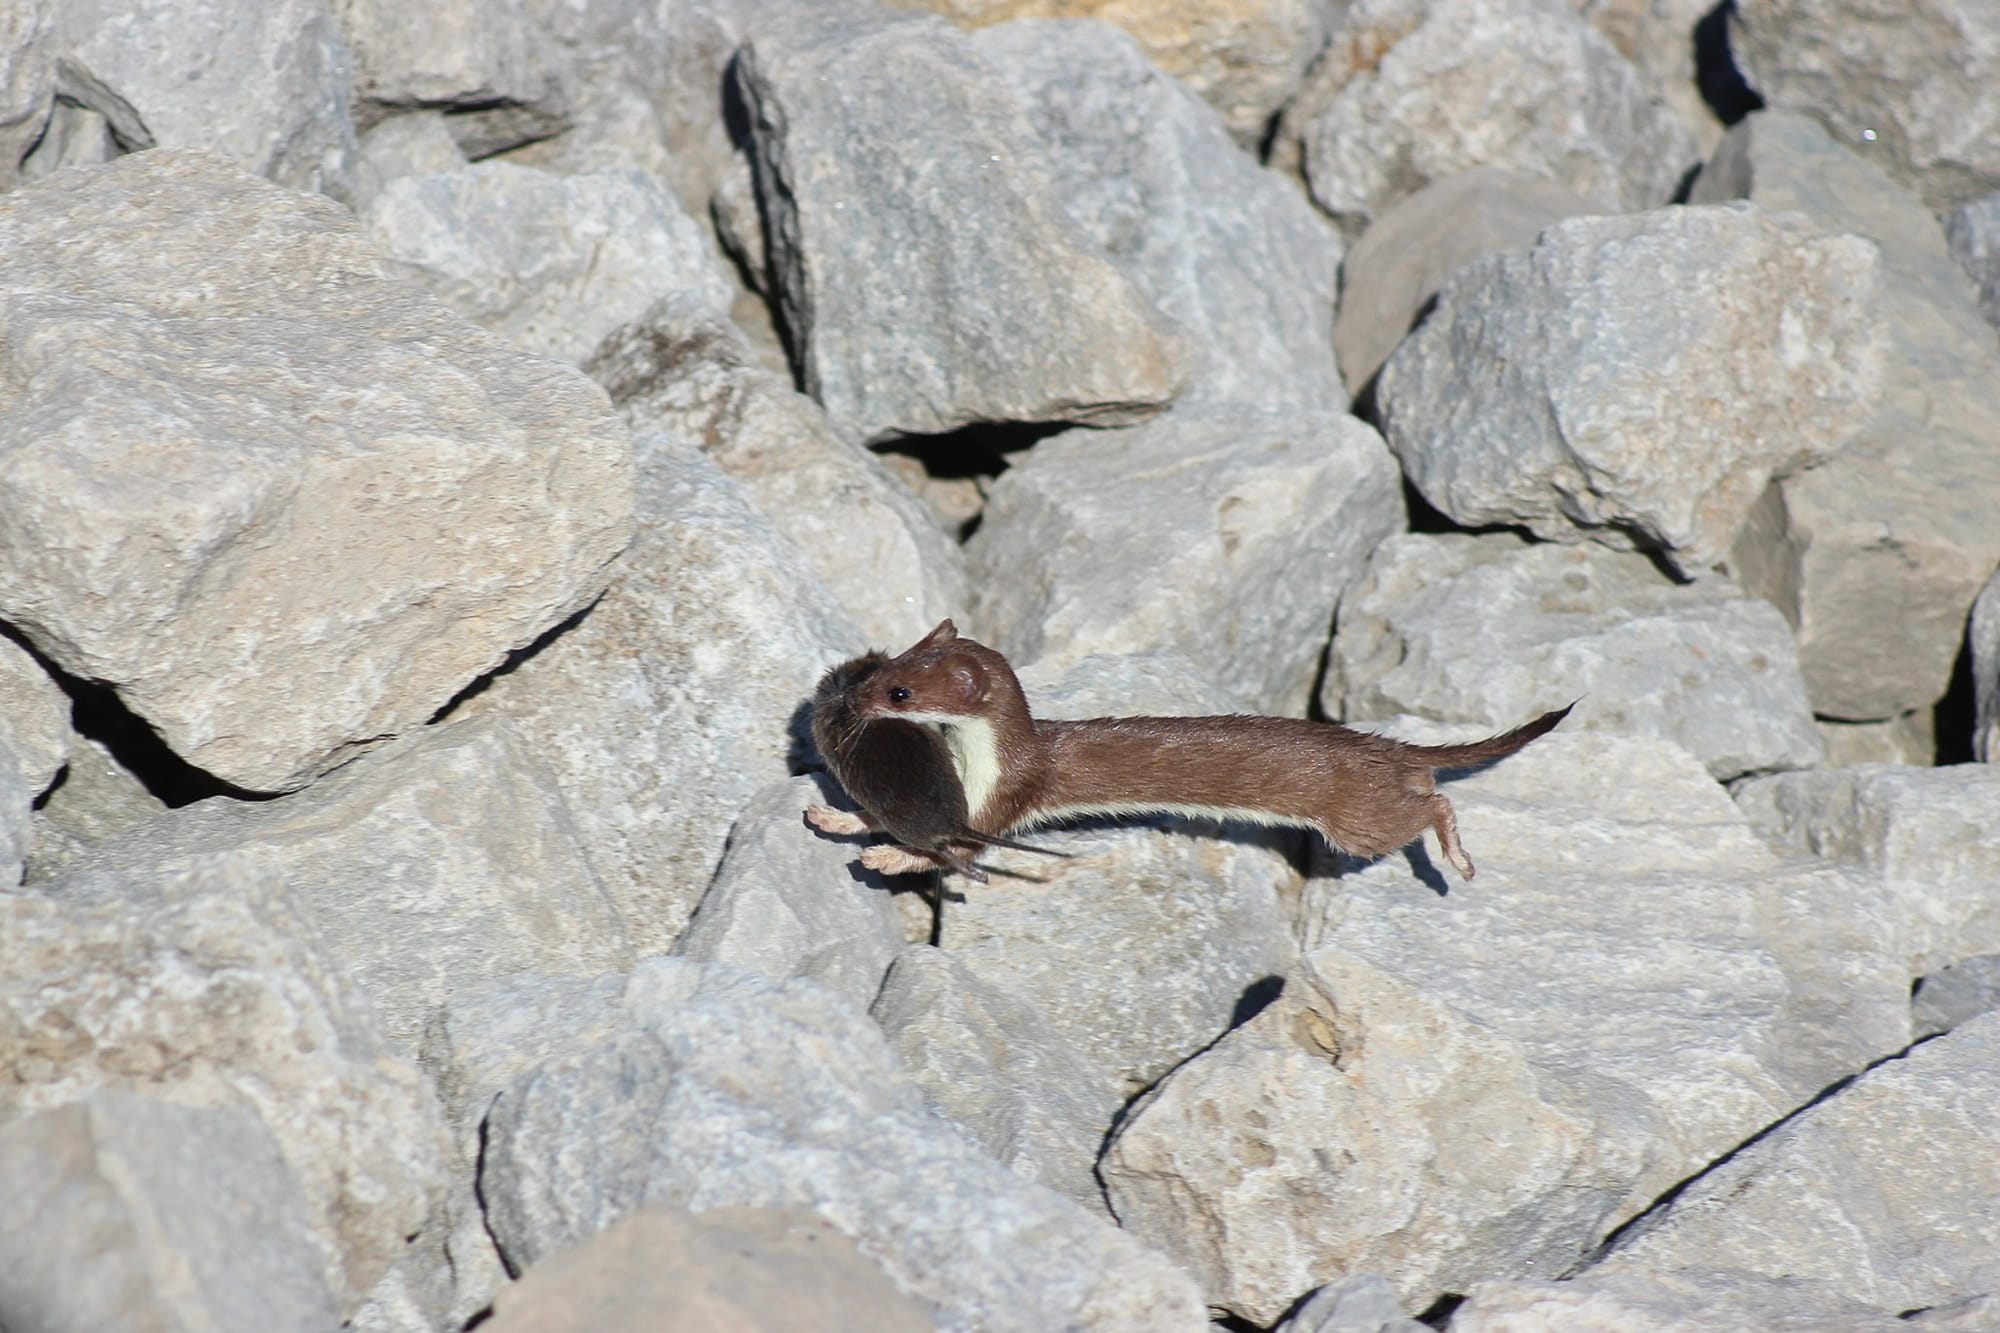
<point x="1445" y="824"/>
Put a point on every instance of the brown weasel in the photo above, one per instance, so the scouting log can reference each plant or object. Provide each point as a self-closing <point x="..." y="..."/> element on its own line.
<point x="901" y="775"/>
<point x="1368" y="795"/>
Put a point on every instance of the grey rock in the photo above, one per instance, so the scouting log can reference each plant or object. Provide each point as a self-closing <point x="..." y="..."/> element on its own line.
<point x="1718" y="1300"/>
<point x="1983" y="638"/>
<point x="1355" y="1125"/>
<point x="1407" y="253"/>
<point x="984" y="1057"/>
<point x="27" y="81"/>
<point x="17" y="828"/>
<point x="265" y="84"/>
<point x="488" y="62"/>
<point x="34" y="717"/>
<point x="1534" y="392"/>
<point x="1698" y="664"/>
<point x="1883" y="1192"/>
<point x="1908" y="739"/>
<point x="75" y="136"/>
<point x="414" y="144"/>
<point x="1212" y="912"/>
<point x="1363" y="1303"/>
<point x="1912" y="88"/>
<point x="727" y="1089"/>
<point x="285" y="504"/>
<point x="135" y="1213"/>
<point x="786" y="901"/>
<point x="208" y="989"/>
<point x="551" y="263"/>
<point x="1922" y="835"/>
<point x="750" y="1270"/>
<point x="1660" y="38"/>
<point x="689" y="372"/>
<point x="1970" y="1315"/>
<point x="940" y="284"/>
<point x="668" y="706"/>
<point x="1413" y="91"/>
<point x="1228" y="533"/>
<point x="448" y="855"/>
<point x="1227" y="250"/>
<point x="1875" y="555"/>
<point x="1158" y="682"/>
<point x="1973" y="233"/>
<point x="1953" y="995"/>
<point x="98" y="798"/>
<point x="1799" y="976"/>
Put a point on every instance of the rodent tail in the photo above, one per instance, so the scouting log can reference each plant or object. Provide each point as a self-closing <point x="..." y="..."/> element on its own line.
<point x="1493" y="747"/>
<point x="988" y="840"/>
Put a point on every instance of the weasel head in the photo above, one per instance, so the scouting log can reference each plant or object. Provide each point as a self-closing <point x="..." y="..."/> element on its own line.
<point x="940" y="679"/>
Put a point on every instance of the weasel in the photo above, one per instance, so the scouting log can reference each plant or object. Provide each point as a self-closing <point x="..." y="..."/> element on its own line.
<point x="1367" y="795"/>
<point x="902" y="776"/>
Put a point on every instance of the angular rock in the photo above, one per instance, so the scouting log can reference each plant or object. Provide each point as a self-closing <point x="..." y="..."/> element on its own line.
<point x="1225" y="533"/>
<point x="1245" y="58"/>
<point x="1883" y="1192"/>
<point x="1876" y="555"/>
<point x="1908" y="739"/>
<point x="1395" y="270"/>
<point x="489" y="63"/>
<point x="1955" y="994"/>
<point x="1227" y="250"/>
<point x="285" y="505"/>
<point x="75" y="136"/>
<point x="726" y="1089"/>
<point x="751" y="1270"/>
<point x="264" y="83"/>
<point x="1668" y="42"/>
<point x="1211" y="909"/>
<point x="97" y="798"/>
<point x="27" y="81"/>
<point x="1697" y="664"/>
<point x="941" y="284"/>
<point x="668" y="706"/>
<point x="34" y="717"/>
<point x="207" y="989"/>
<point x="551" y="263"/>
<point x="1923" y="836"/>
<point x="1161" y="682"/>
<point x="1973" y="233"/>
<point x="1984" y="647"/>
<point x="448" y="855"/>
<point x="17" y="829"/>
<point x="787" y="901"/>
<point x="1355" y="1125"/>
<point x="416" y="144"/>
<point x="1911" y="86"/>
<point x="1685" y="1301"/>
<point x="691" y="373"/>
<point x="137" y="1213"/>
<point x="1363" y="1303"/>
<point x="1576" y="388"/>
<point x="984" y="1057"/>
<point x="1411" y="91"/>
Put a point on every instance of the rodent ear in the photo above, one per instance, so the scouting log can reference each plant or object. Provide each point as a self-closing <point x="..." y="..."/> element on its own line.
<point x="945" y="632"/>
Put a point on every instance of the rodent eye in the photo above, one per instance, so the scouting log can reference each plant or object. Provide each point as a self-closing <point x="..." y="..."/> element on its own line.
<point x="899" y="694"/>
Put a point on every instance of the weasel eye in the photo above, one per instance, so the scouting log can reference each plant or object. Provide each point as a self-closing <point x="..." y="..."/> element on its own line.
<point x="899" y="694"/>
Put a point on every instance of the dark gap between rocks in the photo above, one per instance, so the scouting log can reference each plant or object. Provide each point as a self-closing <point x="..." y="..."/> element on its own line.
<point x="1721" y="84"/>
<point x="977" y="453"/>
<point x="1258" y="996"/>
<point x="1441" y="1310"/>
<point x="1954" y="716"/>
<point x="509" y="665"/>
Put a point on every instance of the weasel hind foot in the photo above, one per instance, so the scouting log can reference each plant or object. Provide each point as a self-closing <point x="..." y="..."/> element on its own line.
<point x="840" y="822"/>
<point x="1447" y="836"/>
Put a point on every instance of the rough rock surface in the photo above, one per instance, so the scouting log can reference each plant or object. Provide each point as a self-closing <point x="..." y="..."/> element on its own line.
<point x="489" y="63"/>
<point x="1915" y="86"/>
<point x="349" y="502"/>
<point x="788" y="901"/>
<point x="1924" y="835"/>
<point x="1361" y="1303"/>
<point x="1227" y="250"/>
<point x="1875" y="555"/>
<point x="265" y="83"/>
<point x="749" y="1270"/>
<point x="1228" y="534"/>
<point x="1030" y="321"/>
<point x="686" y="371"/>
<point x="208" y="989"/>
<point x="34" y="717"/>
<point x="1983" y="642"/>
<point x="27" y="81"/>
<point x="1973" y="232"/>
<point x="448" y="855"/>
<point x="1883" y="1192"/>
<point x="550" y="263"/>
<point x="668" y="706"/>
<point x="1718" y="1300"/>
<point x="1411" y="91"/>
<point x="725" y="1088"/>
<point x="1395" y="270"/>
<point x="1697" y="664"/>
<point x="1578" y="387"/>
<point x="138" y="1213"/>
<point x="1953" y="995"/>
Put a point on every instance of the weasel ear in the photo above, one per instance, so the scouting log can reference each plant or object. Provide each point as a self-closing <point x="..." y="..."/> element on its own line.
<point x="944" y="633"/>
<point x="969" y="682"/>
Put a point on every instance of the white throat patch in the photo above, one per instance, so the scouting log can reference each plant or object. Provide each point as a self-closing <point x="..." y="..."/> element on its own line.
<point x="975" y="753"/>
